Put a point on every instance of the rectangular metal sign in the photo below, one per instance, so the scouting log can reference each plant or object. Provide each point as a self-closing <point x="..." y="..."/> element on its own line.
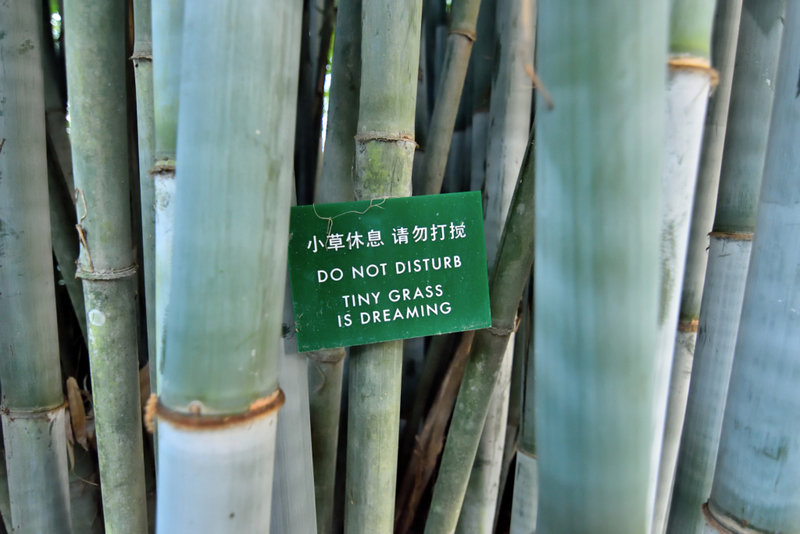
<point x="380" y="270"/>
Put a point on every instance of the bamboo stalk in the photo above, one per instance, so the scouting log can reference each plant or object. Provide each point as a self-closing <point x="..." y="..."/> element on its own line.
<point x="511" y="271"/>
<point x="463" y="19"/>
<point x="483" y="60"/>
<point x="689" y="81"/>
<point x="598" y="176"/>
<point x="384" y="157"/>
<point x="756" y="479"/>
<point x="143" y="71"/>
<point x="740" y="177"/>
<point x="217" y="409"/>
<point x="96" y="57"/>
<point x="509" y="113"/>
<point x="33" y="408"/>
<point x="525" y="504"/>
<point x="167" y="24"/>
<point x="325" y="368"/>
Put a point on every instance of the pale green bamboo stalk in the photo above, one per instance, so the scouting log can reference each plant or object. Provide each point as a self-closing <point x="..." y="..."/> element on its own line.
<point x="525" y="504"/>
<point x="325" y="368"/>
<point x="167" y="24"/>
<point x="756" y="487"/>
<point x="598" y="176"/>
<point x="217" y="410"/>
<point x="751" y="98"/>
<point x="33" y="408"/>
<point x="143" y="70"/>
<point x="723" y="52"/>
<point x="483" y="60"/>
<point x="486" y="357"/>
<point x="384" y="157"/>
<point x="463" y="19"/>
<point x="510" y="113"/>
<point x="95" y="52"/>
<point x="689" y="80"/>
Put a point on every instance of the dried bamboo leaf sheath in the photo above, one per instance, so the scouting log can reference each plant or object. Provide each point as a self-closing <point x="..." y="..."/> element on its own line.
<point x="95" y="51"/>
<point x="757" y="480"/>
<point x="33" y="408"/>
<point x="760" y="34"/>
<point x="598" y="175"/>
<point x="384" y="153"/>
<point x="217" y="411"/>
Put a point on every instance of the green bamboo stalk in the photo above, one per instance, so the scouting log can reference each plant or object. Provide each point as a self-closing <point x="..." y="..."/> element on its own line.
<point x="598" y="176"/>
<point x="217" y="410"/>
<point x="143" y="70"/>
<point x="756" y="487"/>
<point x="723" y="52"/>
<point x="325" y="368"/>
<point x="689" y="81"/>
<point x="33" y="408"/>
<point x="64" y="239"/>
<point x="95" y="52"/>
<point x="510" y="113"/>
<point x="384" y="158"/>
<point x="167" y="24"/>
<point x="751" y="99"/>
<point x="511" y="271"/>
<point x="483" y="60"/>
<point x="525" y="504"/>
<point x="463" y="20"/>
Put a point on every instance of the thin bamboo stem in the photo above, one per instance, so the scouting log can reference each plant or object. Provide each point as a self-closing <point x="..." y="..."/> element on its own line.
<point x="217" y="410"/>
<point x="483" y="60"/>
<point x="751" y="98"/>
<point x="511" y="271"/>
<point x="755" y="482"/>
<point x="464" y="18"/>
<point x="33" y="408"/>
<point x="384" y="159"/>
<point x="145" y="127"/>
<point x="599" y="169"/>
<point x="689" y="81"/>
<point x="96" y="57"/>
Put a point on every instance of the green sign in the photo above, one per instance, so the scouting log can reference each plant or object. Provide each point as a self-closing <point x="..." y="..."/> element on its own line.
<point x="396" y="268"/>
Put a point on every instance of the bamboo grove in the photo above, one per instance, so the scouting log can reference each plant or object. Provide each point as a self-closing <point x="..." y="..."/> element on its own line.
<point x="638" y="367"/>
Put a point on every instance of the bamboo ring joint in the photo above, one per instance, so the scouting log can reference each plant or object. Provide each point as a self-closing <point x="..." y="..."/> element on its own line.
<point x="694" y="63"/>
<point x="723" y="523"/>
<point x="691" y="326"/>
<point x="106" y="274"/>
<point x="327" y="355"/>
<point x="733" y="236"/>
<point x="198" y="421"/>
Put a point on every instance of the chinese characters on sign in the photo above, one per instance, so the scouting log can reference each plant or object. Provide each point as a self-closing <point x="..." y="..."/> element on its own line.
<point x="364" y="272"/>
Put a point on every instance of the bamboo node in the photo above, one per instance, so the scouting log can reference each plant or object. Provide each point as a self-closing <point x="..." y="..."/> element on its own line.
<point x="733" y="236"/>
<point x="327" y="355"/>
<point x="724" y="523"/>
<point x="694" y="63"/>
<point x="197" y="420"/>
<point x="468" y="33"/>
<point x="105" y="274"/>
<point x="166" y="167"/>
<point x="691" y="326"/>
<point x="46" y="413"/>
<point x="500" y="331"/>
<point x="386" y="137"/>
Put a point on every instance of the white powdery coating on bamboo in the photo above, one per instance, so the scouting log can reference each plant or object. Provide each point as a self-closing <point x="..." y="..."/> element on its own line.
<point x="235" y="460"/>
<point x="686" y="103"/>
<point x="524" y="506"/>
<point x="165" y="222"/>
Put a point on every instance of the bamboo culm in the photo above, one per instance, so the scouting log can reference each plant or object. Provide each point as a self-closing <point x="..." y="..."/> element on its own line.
<point x="689" y="81"/>
<point x="599" y="170"/>
<point x="511" y="271"/>
<point x="756" y="478"/>
<point x="33" y="409"/>
<point x="217" y="410"/>
<point x="729" y="253"/>
<point x="325" y="368"/>
<point x="96" y="56"/>
<point x="464" y="17"/>
<point x="723" y="52"/>
<point x="384" y="153"/>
